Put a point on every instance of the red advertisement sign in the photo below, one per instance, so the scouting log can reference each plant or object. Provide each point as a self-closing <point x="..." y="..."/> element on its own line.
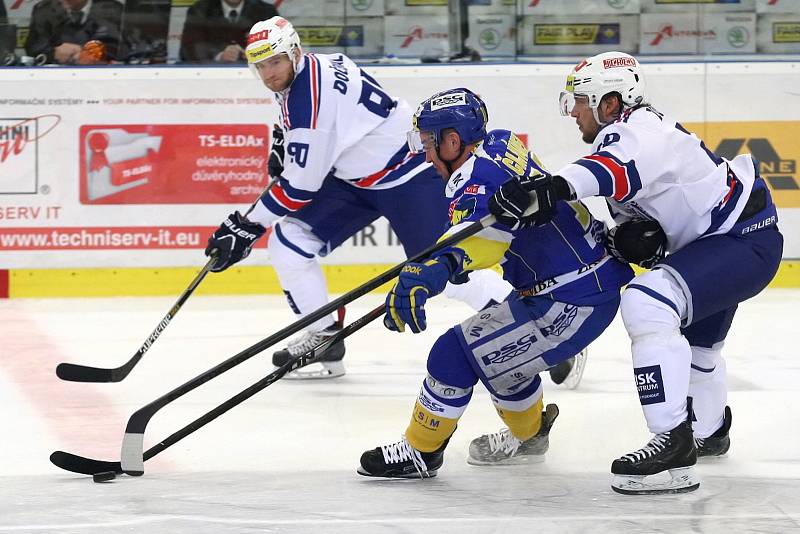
<point x="173" y="163"/>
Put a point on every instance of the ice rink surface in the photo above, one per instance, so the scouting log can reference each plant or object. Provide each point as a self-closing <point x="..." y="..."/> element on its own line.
<point x="285" y="460"/>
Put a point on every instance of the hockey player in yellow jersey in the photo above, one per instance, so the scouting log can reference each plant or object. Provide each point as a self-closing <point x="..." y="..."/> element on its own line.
<point x="566" y="293"/>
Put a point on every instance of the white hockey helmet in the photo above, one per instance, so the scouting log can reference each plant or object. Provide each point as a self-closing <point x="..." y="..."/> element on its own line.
<point x="599" y="75"/>
<point x="269" y="38"/>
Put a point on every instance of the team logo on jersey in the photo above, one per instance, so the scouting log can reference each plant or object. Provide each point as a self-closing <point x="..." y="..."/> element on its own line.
<point x="449" y="100"/>
<point x="462" y="209"/>
<point x="649" y="384"/>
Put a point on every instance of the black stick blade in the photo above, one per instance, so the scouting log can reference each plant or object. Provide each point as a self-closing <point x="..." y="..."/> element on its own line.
<point x="81" y="373"/>
<point x="85" y="466"/>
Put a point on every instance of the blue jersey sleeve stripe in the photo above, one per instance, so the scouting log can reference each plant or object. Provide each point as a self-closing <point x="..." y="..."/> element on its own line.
<point x="273" y="206"/>
<point x="631" y="173"/>
<point x="300" y="103"/>
<point x="605" y="180"/>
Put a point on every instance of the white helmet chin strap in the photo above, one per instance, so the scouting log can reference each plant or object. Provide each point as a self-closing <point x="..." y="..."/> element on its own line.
<point x="597" y="117"/>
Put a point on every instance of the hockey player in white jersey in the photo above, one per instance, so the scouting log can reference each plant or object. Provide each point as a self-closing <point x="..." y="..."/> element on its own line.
<point x="716" y="223"/>
<point x="345" y="163"/>
<point x="566" y="293"/>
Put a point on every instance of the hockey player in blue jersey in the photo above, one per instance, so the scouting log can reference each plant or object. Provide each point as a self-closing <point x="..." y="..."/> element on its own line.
<point x="345" y="163"/>
<point x="715" y="221"/>
<point x="566" y="293"/>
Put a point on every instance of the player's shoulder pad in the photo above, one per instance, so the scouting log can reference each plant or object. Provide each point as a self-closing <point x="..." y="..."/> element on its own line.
<point x="509" y="153"/>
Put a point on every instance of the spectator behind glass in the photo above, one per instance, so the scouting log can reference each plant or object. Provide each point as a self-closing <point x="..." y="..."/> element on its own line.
<point x="59" y="29"/>
<point x="216" y="30"/>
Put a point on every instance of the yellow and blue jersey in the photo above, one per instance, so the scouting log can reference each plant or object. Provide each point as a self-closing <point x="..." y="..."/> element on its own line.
<point x="564" y="259"/>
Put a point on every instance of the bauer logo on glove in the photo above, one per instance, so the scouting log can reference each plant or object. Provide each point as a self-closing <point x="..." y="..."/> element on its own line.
<point x="233" y="241"/>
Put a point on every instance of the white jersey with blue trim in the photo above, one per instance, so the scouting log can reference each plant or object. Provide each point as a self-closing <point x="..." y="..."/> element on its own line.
<point x="338" y="121"/>
<point x="650" y="167"/>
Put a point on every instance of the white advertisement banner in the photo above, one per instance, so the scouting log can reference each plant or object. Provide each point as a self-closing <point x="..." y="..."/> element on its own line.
<point x="416" y="37"/>
<point x="493" y="35"/>
<point x="136" y="167"/>
<point x="698" y="6"/>
<point x="364" y="8"/>
<point x="310" y="8"/>
<point x="416" y="7"/>
<point x="355" y="36"/>
<point x="580" y="7"/>
<point x="688" y="33"/>
<point x="778" y="6"/>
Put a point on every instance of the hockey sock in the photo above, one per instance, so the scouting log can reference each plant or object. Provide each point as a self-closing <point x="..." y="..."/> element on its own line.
<point x="523" y="417"/>
<point x="298" y="270"/>
<point x="436" y="413"/>
<point x="708" y="389"/>
<point x="651" y="308"/>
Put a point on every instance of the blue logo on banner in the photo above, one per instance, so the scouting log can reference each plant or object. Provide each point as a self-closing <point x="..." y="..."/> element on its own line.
<point x="650" y="384"/>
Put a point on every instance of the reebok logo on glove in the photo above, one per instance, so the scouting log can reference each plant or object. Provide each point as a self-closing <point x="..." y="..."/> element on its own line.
<point x="413" y="269"/>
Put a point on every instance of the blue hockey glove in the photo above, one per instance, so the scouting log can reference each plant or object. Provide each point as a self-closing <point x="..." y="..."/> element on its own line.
<point x="233" y="241"/>
<point x="276" y="153"/>
<point x="510" y="202"/>
<point x="405" y="303"/>
<point x="641" y="242"/>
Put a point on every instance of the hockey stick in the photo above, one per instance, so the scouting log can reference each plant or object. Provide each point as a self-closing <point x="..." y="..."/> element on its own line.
<point x="83" y="373"/>
<point x="88" y="466"/>
<point x="132" y="455"/>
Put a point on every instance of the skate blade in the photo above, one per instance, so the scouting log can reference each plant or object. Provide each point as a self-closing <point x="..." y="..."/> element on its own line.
<point x="514" y="460"/>
<point x="575" y="375"/>
<point x="415" y="476"/>
<point x="682" y="480"/>
<point x="711" y="458"/>
<point x="317" y="371"/>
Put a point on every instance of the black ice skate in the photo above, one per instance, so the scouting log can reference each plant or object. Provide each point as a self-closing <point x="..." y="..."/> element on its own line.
<point x="718" y="443"/>
<point x="570" y="371"/>
<point x="672" y="451"/>
<point x="329" y="366"/>
<point x="401" y="460"/>
<point x="503" y="448"/>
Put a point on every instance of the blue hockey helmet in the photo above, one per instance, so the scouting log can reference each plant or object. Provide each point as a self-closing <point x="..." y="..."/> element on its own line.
<point x="459" y="109"/>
